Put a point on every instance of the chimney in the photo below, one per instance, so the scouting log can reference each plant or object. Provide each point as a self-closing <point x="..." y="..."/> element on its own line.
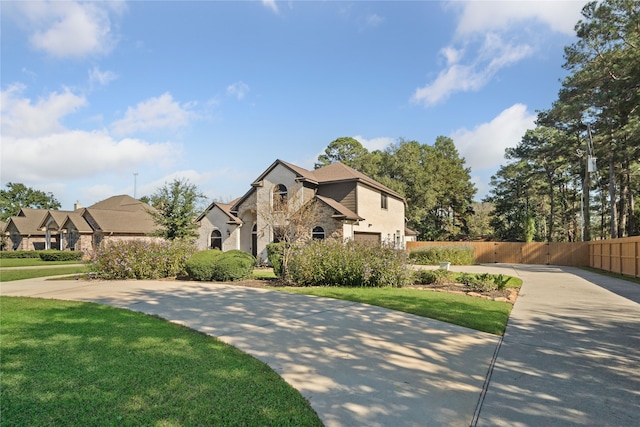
<point x="77" y="206"/>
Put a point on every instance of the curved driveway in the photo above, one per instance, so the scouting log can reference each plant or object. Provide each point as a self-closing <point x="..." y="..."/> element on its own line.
<point x="571" y="353"/>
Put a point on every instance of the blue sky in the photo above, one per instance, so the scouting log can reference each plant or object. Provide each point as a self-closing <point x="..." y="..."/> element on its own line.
<point x="213" y="91"/>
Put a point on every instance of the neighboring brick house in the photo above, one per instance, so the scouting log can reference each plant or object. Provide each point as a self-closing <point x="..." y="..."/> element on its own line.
<point x="353" y="206"/>
<point x="83" y="229"/>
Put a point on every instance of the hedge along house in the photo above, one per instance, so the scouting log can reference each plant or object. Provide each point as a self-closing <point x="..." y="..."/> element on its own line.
<point x="83" y="229"/>
<point x="350" y="206"/>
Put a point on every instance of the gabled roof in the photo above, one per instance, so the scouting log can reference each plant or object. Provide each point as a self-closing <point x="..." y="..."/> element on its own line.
<point x="28" y="220"/>
<point x="225" y="208"/>
<point x="121" y="203"/>
<point x="58" y="217"/>
<point x="341" y="211"/>
<point x="78" y="221"/>
<point x="301" y="173"/>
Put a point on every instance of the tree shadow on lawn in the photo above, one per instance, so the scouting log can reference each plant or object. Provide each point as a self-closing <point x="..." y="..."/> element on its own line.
<point x="356" y="364"/>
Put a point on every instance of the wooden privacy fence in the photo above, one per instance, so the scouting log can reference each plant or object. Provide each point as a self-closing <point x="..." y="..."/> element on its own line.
<point x="555" y="253"/>
<point x="615" y="255"/>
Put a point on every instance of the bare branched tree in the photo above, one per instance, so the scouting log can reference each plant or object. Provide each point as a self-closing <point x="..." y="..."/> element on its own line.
<point x="291" y="222"/>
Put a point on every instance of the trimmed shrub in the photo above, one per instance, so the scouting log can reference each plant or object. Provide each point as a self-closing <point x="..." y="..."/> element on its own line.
<point x="434" y="255"/>
<point x="333" y="263"/>
<point x="214" y="265"/>
<point x="232" y="266"/>
<point x="200" y="266"/>
<point x="19" y="254"/>
<point x="54" y="255"/>
<point x="141" y="259"/>
<point x="274" y="254"/>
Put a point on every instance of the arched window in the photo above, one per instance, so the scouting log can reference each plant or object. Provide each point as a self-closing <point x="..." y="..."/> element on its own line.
<point x="280" y="195"/>
<point x="318" y="233"/>
<point x="216" y="239"/>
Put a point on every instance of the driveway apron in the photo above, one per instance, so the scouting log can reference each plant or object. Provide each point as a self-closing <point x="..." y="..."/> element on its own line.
<point x="358" y="365"/>
<point x="570" y="355"/>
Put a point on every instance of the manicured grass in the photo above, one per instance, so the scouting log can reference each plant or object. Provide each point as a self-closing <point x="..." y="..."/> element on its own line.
<point x="28" y="262"/>
<point x="475" y="313"/>
<point x="9" y="275"/>
<point x="263" y="274"/>
<point x="70" y="363"/>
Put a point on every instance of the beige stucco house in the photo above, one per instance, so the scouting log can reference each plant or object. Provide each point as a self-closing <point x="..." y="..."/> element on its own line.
<point x="352" y="206"/>
<point x="83" y="229"/>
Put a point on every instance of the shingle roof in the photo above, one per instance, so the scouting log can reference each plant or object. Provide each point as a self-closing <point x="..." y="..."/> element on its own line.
<point x="333" y="173"/>
<point x="224" y="207"/>
<point x="78" y="221"/>
<point x="342" y="211"/>
<point x="110" y="221"/>
<point x="339" y="172"/>
<point x="28" y="220"/>
<point x="121" y="203"/>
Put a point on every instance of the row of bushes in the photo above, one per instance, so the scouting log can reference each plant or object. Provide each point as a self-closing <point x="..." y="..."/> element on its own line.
<point x="476" y="282"/>
<point x="434" y="255"/>
<point x="48" y="255"/>
<point x="215" y="265"/>
<point x="141" y="259"/>
<point x="351" y="264"/>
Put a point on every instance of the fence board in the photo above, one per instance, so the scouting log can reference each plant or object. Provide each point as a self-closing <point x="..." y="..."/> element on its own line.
<point x="616" y="255"/>
<point x="572" y="254"/>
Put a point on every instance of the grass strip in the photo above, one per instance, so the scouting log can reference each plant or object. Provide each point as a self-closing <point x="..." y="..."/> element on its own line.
<point x="29" y="262"/>
<point x="72" y="363"/>
<point x="10" y="275"/>
<point x="475" y="313"/>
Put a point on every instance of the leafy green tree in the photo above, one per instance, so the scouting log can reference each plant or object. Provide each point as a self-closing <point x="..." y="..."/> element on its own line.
<point x="597" y="114"/>
<point x="346" y="150"/>
<point x="176" y="206"/>
<point x="17" y="196"/>
<point x="511" y="198"/>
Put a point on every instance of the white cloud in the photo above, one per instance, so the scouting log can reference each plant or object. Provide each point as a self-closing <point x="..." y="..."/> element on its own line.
<point x="101" y="77"/>
<point x="37" y="148"/>
<point x="22" y="118"/>
<point x="77" y="154"/>
<point x="481" y="16"/>
<point x="271" y="4"/>
<point x="483" y="147"/>
<point x="238" y="89"/>
<point x="373" y="144"/>
<point x="69" y="28"/>
<point x="154" y="114"/>
<point x="493" y="55"/>
<point x="478" y="50"/>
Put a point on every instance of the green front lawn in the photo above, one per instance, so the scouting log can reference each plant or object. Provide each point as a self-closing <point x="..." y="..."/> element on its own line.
<point x="71" y="363"/>
<point x="10" y="275"/>
<point x="28" y="262"/>
<point x="475" y="313"/>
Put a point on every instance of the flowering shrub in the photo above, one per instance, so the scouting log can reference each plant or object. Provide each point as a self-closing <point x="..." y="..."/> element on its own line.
<point x="332" y="263"/>
<point x="141" y="259"/>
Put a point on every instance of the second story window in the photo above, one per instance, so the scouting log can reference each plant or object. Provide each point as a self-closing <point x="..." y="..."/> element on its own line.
<point x="383" y="201"/>
<point x="279" y="197"/>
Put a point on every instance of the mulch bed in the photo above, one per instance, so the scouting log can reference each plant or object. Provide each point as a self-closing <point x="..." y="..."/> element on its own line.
<point x="505" y="295"/>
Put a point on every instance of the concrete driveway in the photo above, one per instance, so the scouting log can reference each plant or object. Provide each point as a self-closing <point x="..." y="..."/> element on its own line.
<point x="358" y="365"/>
<point x="570" y="355"/>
